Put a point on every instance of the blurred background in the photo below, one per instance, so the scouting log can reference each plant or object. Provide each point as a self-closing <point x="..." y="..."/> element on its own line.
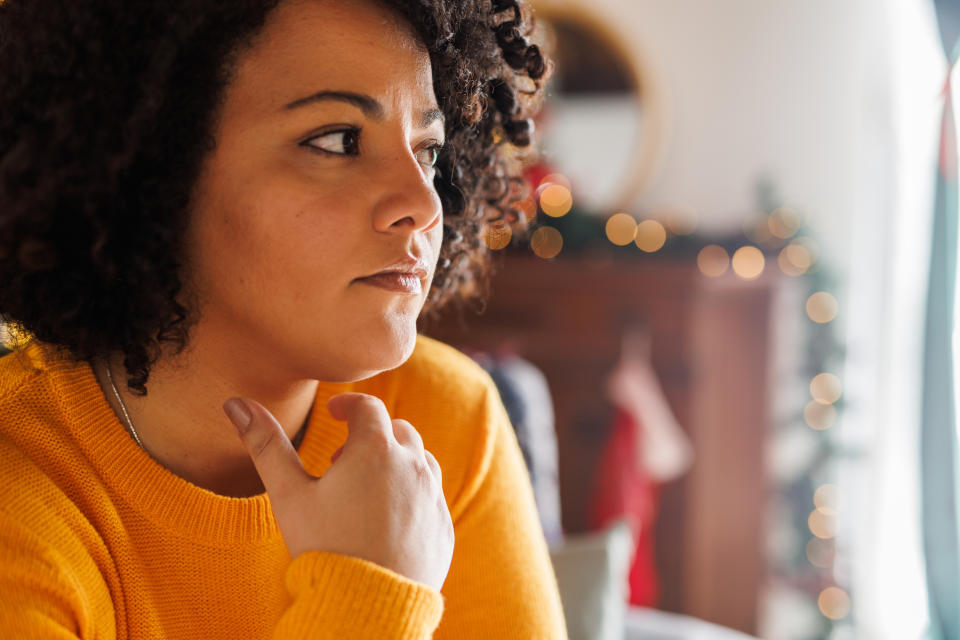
<point x="726" y="339"/>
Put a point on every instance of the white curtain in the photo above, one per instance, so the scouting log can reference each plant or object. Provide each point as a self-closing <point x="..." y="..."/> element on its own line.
<point x="880" y="538"/>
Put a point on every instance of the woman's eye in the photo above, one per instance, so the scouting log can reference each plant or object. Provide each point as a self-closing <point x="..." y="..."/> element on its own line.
<point x="343" y="142"/>
<point x="428" y="155"/>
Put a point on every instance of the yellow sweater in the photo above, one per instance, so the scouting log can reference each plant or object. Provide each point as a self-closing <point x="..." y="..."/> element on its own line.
<point x="97" y="540"/>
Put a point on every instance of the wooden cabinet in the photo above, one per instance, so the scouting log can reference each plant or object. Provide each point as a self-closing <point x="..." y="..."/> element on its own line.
<point x="710" y="348"/>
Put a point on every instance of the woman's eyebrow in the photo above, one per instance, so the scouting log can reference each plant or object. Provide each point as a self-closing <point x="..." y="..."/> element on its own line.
<point x="369" y="105"/>
<point x="427" y="118"/>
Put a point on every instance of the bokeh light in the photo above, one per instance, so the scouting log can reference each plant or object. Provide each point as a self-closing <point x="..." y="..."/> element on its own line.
<point x="823" y="525"/>
<point x="713" y="260"/>
<point x="819" y="416"/>
<point x="784" y="223"/>
<point x="821" y="553"/>
<point x="497" y="235"/>
<point x="651" y="236"/>
<point x="825" y="498"/>
<point x="826" y="388"/>
<point x="794" y="259"/>
<point x="555" y="200"/>
<point x="621" y="229"/>
<point x="748" y="262"/>
<point x="834" y="603"/>
<point x="822" y="307"/>
<point x="546" y="242"/>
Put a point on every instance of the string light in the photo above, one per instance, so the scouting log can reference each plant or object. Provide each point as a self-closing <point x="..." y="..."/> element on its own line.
<point x="651" y="236"/>
<point x="797" y="257"/>
<point x="826" y="388"/>
<point x="819" y="416"/>
<point x="834" y="603"/>
<point x="825" y="498"/>
<point x="713" y="260"/>
<point x="794" y="259"/>
<point x="822" y="307"/>
<point x="821" y="524"/>
<point x="546" y="242"/>
<point x="621" y="229"/>
<point x="784" y="223"/>
<point x="748" y="263"/>
<point x="555" y="200"/>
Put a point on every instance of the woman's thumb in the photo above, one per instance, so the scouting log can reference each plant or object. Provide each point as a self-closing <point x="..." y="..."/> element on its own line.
<point x="269" y="447"/>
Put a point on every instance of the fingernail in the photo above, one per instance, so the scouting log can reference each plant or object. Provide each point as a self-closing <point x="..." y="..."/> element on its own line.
<point x="238" y="413"/>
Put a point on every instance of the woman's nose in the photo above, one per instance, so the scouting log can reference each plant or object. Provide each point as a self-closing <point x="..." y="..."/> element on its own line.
<point x="407" y="199"/>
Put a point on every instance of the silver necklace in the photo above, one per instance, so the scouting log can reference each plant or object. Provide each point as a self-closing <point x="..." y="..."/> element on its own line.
<point x="298" y="438"/>
<point x="123" y="407"/>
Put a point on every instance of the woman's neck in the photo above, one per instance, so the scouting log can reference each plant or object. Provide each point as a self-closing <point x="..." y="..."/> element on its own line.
<point x="180" y="421"/>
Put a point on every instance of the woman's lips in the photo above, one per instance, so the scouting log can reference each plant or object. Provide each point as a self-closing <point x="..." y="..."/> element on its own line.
<point x="398" y="281"/>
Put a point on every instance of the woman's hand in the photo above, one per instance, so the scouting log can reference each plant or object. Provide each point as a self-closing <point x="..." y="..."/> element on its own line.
<point x="381" y="500"/>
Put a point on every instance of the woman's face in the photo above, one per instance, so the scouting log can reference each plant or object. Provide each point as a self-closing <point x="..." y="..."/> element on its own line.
<point x="320" y="178"/>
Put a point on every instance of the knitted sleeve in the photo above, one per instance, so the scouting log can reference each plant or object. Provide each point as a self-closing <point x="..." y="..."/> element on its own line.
<point x="40" y="598"/>
<point x="337" y="596"/>
<point x="501" y="582"/>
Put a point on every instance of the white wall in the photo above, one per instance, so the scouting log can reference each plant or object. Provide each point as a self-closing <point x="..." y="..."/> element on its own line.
<point x="755" y="86"/>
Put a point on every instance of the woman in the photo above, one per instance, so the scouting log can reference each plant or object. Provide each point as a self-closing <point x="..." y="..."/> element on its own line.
<point x="243" y="207"/>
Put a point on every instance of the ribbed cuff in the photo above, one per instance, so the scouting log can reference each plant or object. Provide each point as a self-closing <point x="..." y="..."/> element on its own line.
<point x="339" y="596"/>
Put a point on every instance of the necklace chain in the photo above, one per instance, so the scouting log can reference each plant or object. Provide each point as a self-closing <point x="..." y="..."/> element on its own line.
<point x="123" y="407"/>
<point x="297" y="439"/>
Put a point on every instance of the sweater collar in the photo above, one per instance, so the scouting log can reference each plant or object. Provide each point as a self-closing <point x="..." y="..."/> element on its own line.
<point x="168" y="500"/>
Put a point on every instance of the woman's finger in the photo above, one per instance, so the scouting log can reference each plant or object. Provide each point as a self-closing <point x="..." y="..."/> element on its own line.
<point x="406" y="434"/>
<point x="434" y="465"/>
<point x="366" y="416"/>
<point x="277" y="462"/>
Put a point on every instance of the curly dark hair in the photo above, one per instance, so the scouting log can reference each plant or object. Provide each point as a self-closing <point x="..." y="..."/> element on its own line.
<point x="107" y="110"/>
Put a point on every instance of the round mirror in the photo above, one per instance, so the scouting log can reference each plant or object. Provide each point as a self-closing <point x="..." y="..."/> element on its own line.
<point x="601" y="122"/>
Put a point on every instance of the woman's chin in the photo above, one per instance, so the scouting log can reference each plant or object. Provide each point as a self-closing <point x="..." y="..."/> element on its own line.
<point x="396" y="350"/>
<point x="375" y="355"/>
